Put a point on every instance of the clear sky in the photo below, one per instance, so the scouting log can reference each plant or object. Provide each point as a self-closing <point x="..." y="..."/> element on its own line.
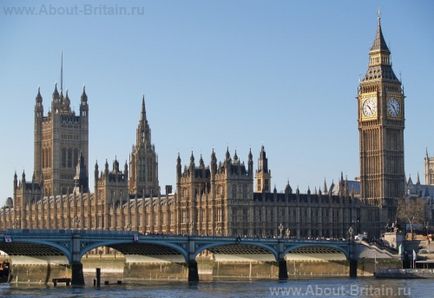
<point x="282" y="74"/>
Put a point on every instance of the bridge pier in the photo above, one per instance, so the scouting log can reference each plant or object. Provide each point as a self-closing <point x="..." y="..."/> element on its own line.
<point x="353" y="268"/>
<point x="283" y="269"/>
<point x="193" y="273"/>
<point x="77" y="274"/>
<point x="77" y="279"/>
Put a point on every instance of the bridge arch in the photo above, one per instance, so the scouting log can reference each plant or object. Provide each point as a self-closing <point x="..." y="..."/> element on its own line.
<point x="337" y="248"/>
<point x="259" y="245"/>
<point x="116" y="243"/>
<point x="32" y="247"/>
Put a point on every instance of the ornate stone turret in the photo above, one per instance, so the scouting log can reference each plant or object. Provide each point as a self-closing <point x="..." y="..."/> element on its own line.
<point x="288" y="189"/>
<point x="55" y="103"/>
<point x="96" y="172"/>
<point x="143" y="174"/>
<point x="15" y="181"/>
<point x="81" y="180"/>
<point x="66" y="103"/>
<point x="213" y="164"/>
<point x="263" y="174"/>
<point x="39" y="116"/>
<point x="57" y="150"/>
<point x="178" y="168"/>
<point x="250" y="163"/>
<point x="84" y="107"/>
<point x="429" y="169"/>
<point x="113" y="185"/>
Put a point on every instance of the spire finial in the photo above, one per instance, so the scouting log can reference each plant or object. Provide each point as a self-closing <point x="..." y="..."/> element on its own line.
<point x="83" y="94"/>
<point x="143" y="112"/>
<point x="55" y="92"/>
<point x="61" y="72"/>
<point x="38" y="96"/>
<point x="379" y="42"/>
<point x="379" y="16"/>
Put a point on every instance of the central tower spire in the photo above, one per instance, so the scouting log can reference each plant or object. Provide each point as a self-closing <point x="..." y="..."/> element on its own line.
<point x="143" y="114"/>
<point x="143" y="180"/>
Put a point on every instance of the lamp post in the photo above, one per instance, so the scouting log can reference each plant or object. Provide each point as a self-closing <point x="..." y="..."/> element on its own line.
<point x="280" y="227"/>
<point x="288" y="233"/>
<point x="76" y="222"/>
<point x="410" y="220"/>
<point x="191" y="227"/>
<point x="350" y="233"/>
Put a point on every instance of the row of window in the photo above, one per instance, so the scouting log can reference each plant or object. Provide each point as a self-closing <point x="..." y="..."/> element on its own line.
<point x="69" y="157"/>
<point x="46" y="157"/>
<point x="218" y="216"/>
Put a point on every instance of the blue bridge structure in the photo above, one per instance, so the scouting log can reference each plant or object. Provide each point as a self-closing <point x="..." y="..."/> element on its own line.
<point x="74" y="244"/>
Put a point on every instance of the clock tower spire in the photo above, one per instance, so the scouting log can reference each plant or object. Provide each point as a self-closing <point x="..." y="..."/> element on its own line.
<point x="381" y="130"/>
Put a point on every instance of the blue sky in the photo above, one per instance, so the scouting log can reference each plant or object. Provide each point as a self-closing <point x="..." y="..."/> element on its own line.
<point x="282" y="74"/>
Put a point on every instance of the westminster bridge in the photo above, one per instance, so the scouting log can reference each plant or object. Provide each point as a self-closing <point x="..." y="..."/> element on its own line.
<point x="74" y="244"/>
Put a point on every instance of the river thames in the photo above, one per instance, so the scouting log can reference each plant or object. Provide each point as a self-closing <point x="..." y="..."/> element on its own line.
<point x="334" y="287"/>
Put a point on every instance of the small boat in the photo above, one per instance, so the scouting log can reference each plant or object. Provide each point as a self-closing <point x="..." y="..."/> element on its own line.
<point x="4" y="272"/>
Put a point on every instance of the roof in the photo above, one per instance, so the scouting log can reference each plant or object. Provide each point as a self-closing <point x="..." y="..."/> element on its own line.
<point x="379" y="42"/>
<point x="380" y="72"/>
<point x="353" y="185"/>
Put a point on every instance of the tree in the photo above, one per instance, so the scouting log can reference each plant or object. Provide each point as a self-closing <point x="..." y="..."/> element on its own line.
<point x="412" y="210"/>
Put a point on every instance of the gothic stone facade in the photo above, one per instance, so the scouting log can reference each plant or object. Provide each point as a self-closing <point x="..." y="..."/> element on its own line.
<point x="381" y="130"/>
<point x="60" y="138"/>
<point x="211" y="200"/>
<point x="429" y="169"/>
<point x="218" y="199"/>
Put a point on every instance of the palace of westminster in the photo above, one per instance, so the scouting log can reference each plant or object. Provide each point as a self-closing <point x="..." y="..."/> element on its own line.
<point x="226" y="197"/>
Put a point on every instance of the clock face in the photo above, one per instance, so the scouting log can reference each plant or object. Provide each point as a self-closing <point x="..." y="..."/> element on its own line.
<point x="393" y="107"/>
<point x="369" y="107"/>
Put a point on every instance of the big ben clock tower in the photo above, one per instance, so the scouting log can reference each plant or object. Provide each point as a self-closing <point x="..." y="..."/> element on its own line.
<point x="381" y="131"/>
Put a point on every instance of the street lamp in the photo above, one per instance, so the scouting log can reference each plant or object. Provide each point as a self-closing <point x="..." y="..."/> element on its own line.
<point x="288" y="233"/>
<point x="280" y="230"/>
<point x="191" y="227"/>
<point x="350" y="233"/>
<point x="16" y="223"/>
<point x="76" y="222"/>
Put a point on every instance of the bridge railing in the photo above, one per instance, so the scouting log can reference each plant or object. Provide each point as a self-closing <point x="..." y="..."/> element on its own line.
<point x="168" y="236"/>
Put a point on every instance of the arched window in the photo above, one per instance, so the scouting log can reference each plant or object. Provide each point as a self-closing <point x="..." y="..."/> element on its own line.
<point x="43" y="157"/>
<point x="49" y="157"/>
<point x="64" y="157"/>
<point x="46" y="157"/>
<point x="69" y="158"/>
